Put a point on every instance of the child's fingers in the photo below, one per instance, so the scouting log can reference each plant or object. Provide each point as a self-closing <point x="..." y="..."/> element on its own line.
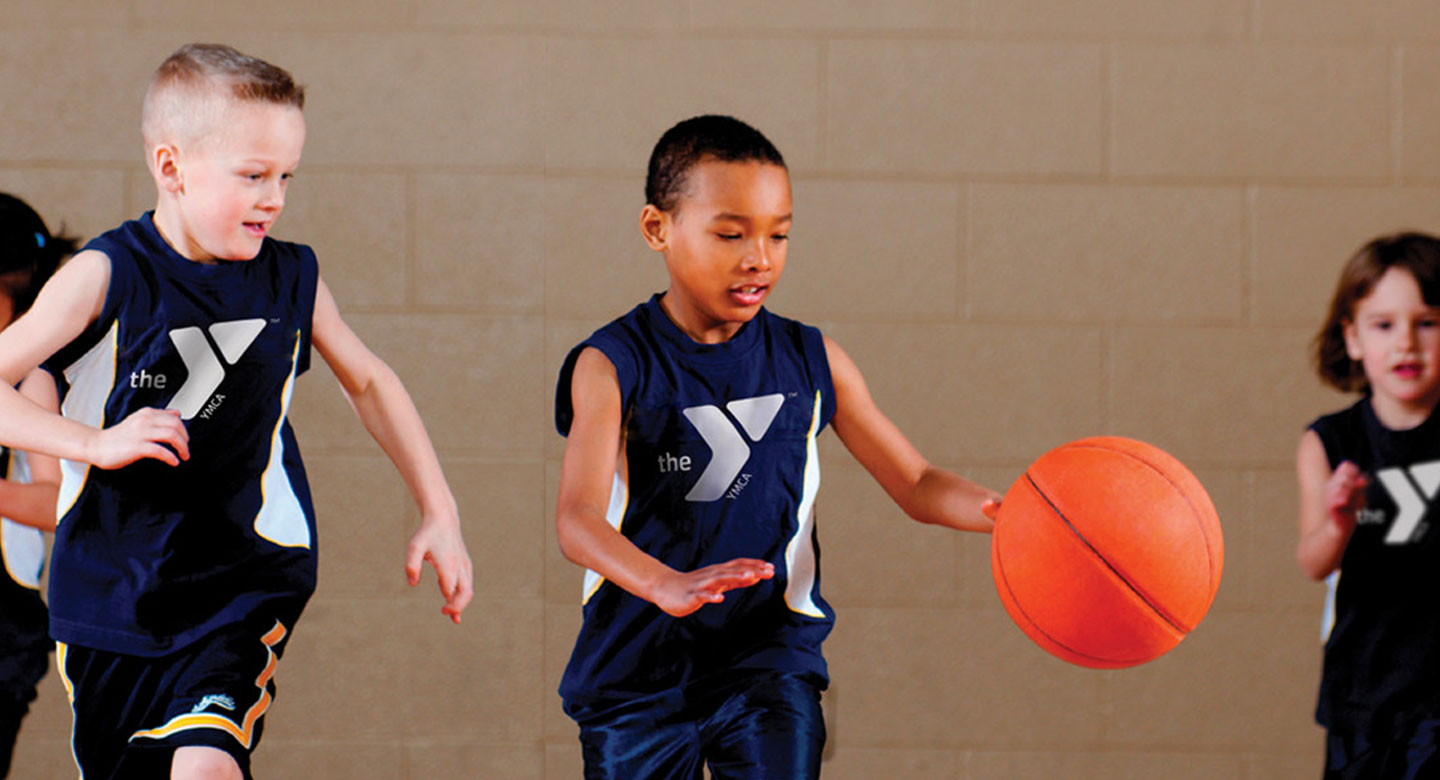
<point x="990" y="508"/>
<point x="414" y="559"/>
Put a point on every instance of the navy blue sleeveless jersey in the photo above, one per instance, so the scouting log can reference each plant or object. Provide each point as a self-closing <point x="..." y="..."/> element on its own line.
<point x="720" y="463"/>
<point x="24" y="635"/>
<point x="150" y="557"/>
<point x="1382" y="658"/>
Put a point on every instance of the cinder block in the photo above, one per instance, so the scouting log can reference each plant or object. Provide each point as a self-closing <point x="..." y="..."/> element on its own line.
<point x="479" y="243"/>
<point x="596" y="263"/>
<point x="1127" y="19"/>
<point x="981" y="393"/>
<point x="356" y="225"/>
<point x="945" y="678"/>
<point x="839" y="265"/>
<point x="464" y="758"/>
<point x="951" y="107"/>
<point x="820" y="16"/>
<point x="550" y="15"/>
<point x="1101" y="765"/>
<point x="1232" y="111"/>
<point x="563" y="761"/>
<point x="1043" y="253"/>
<point x="1420" y="109"/>
<point x="1214" y="396"/>
<point x="103" y="70"/>
<point x="873" y="555"/>
<point x="43" y="758"/>
<point x="501" y="511"/>
<point x="562" y="626"/>
<point x="364" y="517"/>
<point x="373" y="15"/>
<point x="869" y="763"/>
<point x="1346" y="20"/>
<point x="434" y="355"/>
<point x="1304" y="762"/>
<point x="1212" y="693"/>
<point x="1260" y="569"/>
<point x="1304" y="236"/>
<point x="607" y="101"/>
<point x="375" y="758"/>
<point x="448" y="101"/>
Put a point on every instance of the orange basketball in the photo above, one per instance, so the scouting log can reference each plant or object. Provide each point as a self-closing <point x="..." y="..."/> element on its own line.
<point x="1107" y="552"/>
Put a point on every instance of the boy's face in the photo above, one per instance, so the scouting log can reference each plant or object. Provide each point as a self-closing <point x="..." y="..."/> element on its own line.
<point x="724" y="244"/>
<point x="229" y="187"/>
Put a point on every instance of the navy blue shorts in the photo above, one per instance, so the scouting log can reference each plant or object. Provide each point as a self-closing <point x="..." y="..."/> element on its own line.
<point x="743" y="725"/>
<point x="1412" y="753"/>
<point x="131" y="713"/>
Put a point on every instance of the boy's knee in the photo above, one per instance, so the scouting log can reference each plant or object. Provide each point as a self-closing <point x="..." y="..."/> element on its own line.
<point x="204" y="763"/>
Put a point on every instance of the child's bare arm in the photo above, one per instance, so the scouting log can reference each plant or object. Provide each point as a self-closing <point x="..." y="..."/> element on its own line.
<point x="69" y="302"/>
<point x="926" y="493"/>
<point x="33" y="503"/>
<point x="388" y="413"/>
<point x="592" y="449"/>
<point x="1329" y="503"/>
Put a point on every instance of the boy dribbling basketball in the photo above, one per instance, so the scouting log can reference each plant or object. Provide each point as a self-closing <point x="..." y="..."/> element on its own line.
<point x="689" y="480"/>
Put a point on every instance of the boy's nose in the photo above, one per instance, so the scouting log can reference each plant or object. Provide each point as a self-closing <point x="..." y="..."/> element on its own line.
<point x="758" y="258"/>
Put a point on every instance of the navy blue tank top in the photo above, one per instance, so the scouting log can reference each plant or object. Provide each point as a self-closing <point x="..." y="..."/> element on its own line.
<point x="150" y="557"/>
<point x="1382" y="658"/>
<point x="720" y="463"/>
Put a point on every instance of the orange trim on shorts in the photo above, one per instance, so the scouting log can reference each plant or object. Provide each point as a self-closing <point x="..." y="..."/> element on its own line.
<point x="243" y="733"/>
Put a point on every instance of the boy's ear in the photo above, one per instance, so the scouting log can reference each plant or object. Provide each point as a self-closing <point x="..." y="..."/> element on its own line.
<point x="165" y="165"/>
<point x="655" y="227"/>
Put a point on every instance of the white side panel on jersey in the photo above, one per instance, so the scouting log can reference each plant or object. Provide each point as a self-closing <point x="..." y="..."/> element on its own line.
<point x="1327" y="618"/>
<point x="281" y="518"/>
<point x="22" y="547"/>
<point x="800" y="552"/>
<point x="91" y="379"/>
<point x="614" y="514"/>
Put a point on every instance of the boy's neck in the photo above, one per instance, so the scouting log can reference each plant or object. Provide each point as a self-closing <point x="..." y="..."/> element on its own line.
<point x="700" y="333"/>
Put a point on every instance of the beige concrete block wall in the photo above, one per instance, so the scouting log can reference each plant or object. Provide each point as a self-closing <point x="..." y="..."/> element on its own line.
<point x="1027" y="222"/>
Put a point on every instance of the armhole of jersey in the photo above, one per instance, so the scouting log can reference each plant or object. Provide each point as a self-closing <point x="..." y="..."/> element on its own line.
<point x="819" y="362"/>
<point x="625" y="375"/>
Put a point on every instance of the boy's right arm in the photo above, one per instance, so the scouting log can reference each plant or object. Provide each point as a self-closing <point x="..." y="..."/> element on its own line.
<point x="1329" y="503"/>
<point x="66" y="305"/>
<point x="587" y="538"/>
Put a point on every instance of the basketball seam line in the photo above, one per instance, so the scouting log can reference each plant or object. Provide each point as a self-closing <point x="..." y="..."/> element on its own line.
<point x="1128" y="584"/>
<point x="1184" y="494"/>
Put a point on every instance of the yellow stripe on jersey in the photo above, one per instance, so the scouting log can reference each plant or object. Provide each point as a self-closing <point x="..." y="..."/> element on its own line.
<point x="243" y="732"/>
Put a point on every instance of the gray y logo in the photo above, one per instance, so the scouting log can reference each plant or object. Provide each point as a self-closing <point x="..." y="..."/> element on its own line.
<point x="728" y="449"/>
<point x="1412" y="491"/>
<point x="205" y="371"/>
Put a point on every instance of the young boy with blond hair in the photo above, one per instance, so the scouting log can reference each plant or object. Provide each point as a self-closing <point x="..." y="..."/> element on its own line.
<point x="186" y="543"/>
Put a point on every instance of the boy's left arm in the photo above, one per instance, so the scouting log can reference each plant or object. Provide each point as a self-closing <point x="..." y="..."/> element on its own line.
<point x="926" y="493"/>
<point x="33" y="503"/>
<point x="382" y="403"/>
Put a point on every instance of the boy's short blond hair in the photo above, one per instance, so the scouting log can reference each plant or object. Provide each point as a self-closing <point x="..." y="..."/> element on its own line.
<point x="193" y="86"/>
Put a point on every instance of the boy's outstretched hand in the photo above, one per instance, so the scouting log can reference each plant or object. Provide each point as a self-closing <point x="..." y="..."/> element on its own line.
<point x="441" y="545"/>
<point x="682" y="593"/>
<point x="146" y="433"/>
<point x="1345" y="495"/>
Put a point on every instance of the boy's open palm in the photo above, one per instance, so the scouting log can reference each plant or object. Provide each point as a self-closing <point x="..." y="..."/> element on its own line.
<point x="685" y="592"/>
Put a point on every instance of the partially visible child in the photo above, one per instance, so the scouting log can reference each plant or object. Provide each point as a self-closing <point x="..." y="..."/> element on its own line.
<point x="29" y="254"/>
<point x="1368" y="479"/>
<point x="689" y="482"/>
<point x="186" y="543"/>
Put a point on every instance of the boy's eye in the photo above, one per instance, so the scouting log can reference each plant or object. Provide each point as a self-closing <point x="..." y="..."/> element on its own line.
<point x="728" y="236"/>
<point x="781" y="237"/>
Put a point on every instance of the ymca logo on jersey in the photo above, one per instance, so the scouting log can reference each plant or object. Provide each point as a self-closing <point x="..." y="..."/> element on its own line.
<point x="728" y="449"/>
<point x="202" y="362"/>
<point x="1412" y="490"/>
